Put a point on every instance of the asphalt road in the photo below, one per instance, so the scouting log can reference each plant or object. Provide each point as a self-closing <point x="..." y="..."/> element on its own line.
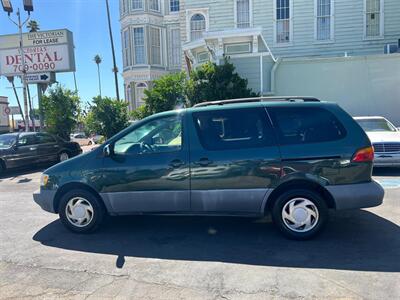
<point x="357" y="256"/>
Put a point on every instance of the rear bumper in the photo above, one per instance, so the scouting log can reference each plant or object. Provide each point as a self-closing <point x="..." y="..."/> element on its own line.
<point x="360" y="195"/>
<point x="45" y="199"/>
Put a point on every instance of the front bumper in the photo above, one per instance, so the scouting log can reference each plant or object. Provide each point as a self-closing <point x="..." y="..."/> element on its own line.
<point x="362" y="195"/>
<point x="387" y="160"/>
<point x="45" y="199"/>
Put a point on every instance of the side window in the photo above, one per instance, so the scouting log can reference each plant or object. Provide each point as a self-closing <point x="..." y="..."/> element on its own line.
<point x="45" y="138"/>
<point x="161" y="135"/>
<point x="234" y="129"/>
<point x="303" y="125"/>
<point x="27" y="140"/>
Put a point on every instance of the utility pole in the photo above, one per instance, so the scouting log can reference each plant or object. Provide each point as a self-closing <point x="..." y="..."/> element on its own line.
<point x="115" y="69"/>
<point x="21" y="47"/>
<point x="28" y="6"/>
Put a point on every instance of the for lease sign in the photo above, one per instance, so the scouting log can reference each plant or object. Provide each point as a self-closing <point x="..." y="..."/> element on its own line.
<point x="44" y="51"/>
<point x="37" y="59"/>
<point x="40" y="38"/>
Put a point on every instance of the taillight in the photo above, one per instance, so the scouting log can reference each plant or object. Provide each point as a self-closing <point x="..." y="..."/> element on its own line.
<point x="364" y="155"/>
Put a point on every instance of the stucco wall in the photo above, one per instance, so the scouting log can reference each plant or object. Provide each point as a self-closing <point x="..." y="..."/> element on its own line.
<point x="363" y="85"/>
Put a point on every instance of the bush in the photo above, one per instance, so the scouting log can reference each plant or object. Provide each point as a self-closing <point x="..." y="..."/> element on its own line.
<point x="106" y="116"/>
<point x="61" y="108"/>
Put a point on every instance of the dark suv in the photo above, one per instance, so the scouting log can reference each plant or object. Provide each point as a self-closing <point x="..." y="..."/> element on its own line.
<point x="33" y="148"/>
<point x="294" y="157"/>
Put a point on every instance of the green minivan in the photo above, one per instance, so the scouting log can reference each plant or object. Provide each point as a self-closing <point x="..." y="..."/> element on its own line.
<point x="292" y="157"/>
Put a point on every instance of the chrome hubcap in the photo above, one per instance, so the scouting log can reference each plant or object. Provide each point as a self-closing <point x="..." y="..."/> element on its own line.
<point x="300" y="215"/>
<point x="63" y="156"/>
<point x="79" y="212"/>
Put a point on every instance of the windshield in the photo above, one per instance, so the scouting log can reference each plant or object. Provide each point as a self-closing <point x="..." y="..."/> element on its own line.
<point x="376" y="125"/>
<point x="7" y="140"/>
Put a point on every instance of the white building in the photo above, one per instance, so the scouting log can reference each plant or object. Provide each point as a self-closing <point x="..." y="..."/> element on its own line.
<point x="151" y="43"/>
<point x="337" y="50"/>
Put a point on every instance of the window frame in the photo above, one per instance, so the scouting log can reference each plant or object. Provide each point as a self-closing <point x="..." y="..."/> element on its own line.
<point x="250" y="14"/>
<point x="170" y="6"/>
<point x="124" y="7"/>
<point x="140" y="124"/>
<point x="249" y="44"/>
<point x="290" y="42"/>
<point x="133" y="53"/>
<point x="261" y="110"/>
<point x="279" y="133"/>
<point x="332" y="22"/>
<point x="136" y="9"/>
<point x="381" y="22"/>
<point x="127" y="48"/>
<point x="44" y="134"/>
<point x="197" y="31"/>
<point x="158" y="10"/>
<point x="202" y="61"/>
<point x="152" y="28"/>
<point x="175" y="47"/>
<point x="138" y="85"/>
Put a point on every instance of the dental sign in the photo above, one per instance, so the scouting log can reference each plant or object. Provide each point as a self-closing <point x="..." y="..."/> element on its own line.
<point x="46" y="51"/>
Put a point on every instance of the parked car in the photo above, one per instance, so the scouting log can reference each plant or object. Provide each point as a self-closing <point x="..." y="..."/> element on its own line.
<point x="385" y="138"/>
<point x="97" y="139"/>
<point x="292" y="157"/>
<point x="81" y="139"/>
<point x="26" y="149"/>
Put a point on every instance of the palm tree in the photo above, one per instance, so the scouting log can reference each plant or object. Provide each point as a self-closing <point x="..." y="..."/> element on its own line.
<point x="115" y="69"/>
<point x="33" y="26"/>
<point x="97" y="60"/>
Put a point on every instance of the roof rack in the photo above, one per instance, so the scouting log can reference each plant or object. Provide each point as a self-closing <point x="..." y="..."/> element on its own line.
<point x="258" y="99"/>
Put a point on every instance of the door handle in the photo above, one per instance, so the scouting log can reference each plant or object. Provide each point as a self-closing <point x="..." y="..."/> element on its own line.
<point x="32" y="148"/>
<point x="204" y="162"/>
<point x="176" y="163"/>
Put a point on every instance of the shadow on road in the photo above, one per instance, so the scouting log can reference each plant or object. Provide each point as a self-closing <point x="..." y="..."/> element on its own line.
<point x="354" y="240"/>
<point x="12" y="174"/>
<point x="386" y="172"/>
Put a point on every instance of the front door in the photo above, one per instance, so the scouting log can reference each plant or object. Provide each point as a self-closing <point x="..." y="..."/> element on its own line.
<point x="25" y="151"/>
<point x="149" y="170"/>
<point x="48" y="148"/>
<point x="235" y="161"/>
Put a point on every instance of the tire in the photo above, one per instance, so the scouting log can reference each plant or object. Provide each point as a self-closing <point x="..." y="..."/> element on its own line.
<point x="82" y="199"/>
<point x="90" y="143"/>
<point x="2" y="167"/>
<point x="300" y="214"/>
<point x="63" y="156"/>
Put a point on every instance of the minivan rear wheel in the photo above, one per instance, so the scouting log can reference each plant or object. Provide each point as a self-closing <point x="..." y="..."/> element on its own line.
<point x="300" y="214"/>
<point x="80" y="211"/>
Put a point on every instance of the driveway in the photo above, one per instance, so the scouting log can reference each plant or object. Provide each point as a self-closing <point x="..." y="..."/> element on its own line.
<point x="149" y="257"/>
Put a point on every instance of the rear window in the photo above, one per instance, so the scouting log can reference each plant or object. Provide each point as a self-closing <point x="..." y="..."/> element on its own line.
<point x="233" y="129"/>
<point x="304" y="125"/>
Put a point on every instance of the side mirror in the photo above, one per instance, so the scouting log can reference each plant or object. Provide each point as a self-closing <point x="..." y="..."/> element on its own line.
<point x="108" y="150"/>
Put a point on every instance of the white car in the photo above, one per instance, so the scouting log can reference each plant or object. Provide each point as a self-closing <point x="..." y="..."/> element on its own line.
<point x="81" y="139"/>
<point x="385" y="138"/>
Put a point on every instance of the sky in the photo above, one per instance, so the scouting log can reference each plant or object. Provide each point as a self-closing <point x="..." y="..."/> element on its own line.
<point x="87" y="19"/>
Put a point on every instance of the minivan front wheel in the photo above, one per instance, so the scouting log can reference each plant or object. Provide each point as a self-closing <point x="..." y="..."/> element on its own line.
<point x="300" y="214"/>
<point x="80" y="211"/>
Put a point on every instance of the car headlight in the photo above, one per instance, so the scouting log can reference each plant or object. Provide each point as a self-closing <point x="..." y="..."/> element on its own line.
<point x="44" y="180"/>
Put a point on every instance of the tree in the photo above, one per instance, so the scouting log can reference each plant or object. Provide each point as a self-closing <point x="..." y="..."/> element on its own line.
<point x="106" y="116"/>
<point x="33" y="26"/>
<point x="97" y="59"/>
<point x="208" y="82"/>
<point x="61" y="109"/>
<point x="167" y="93"/>
<point x="211" y="82"/>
